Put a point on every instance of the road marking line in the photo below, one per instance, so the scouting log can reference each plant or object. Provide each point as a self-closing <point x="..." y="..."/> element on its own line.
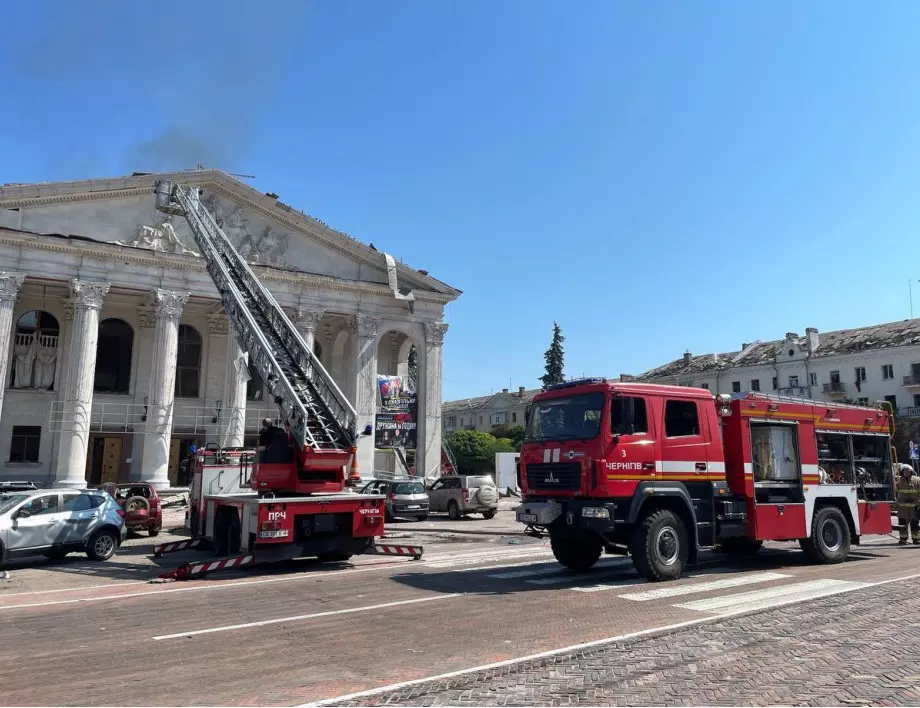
<point x="614" y="568"/>
<point x="314" y="615"/>
<point x="558" y="570"/>
<point x="522" y="564"/>
<point x="484" y="559"/>
<point x="561" y="650"/>
<point x="76" y="589"/>
<point x="692" y="588"/>
<point x="761" y="599"/>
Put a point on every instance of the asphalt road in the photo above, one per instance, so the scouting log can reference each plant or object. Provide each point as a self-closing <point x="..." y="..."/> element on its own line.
<point x="79" y="633"/>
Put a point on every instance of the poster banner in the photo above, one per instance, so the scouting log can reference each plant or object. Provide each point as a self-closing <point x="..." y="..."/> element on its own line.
<point x="396" y="424"/>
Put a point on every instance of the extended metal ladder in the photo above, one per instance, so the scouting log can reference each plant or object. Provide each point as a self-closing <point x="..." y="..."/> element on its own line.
<point x="318" y="413"/>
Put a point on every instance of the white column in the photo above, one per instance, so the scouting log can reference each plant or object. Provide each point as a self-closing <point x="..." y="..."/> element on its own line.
<point x="364" y="329"/>
<point x="9" y="291"/>
<point x="77" y="388"/>
<point x="235" y="393"/>
<point x="307" y="320"/>
<point x="166" y="309"/>
<point x="430" y="395"/>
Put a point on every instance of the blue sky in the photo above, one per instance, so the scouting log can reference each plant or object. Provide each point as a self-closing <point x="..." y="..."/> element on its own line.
<point x="654" y="176"/>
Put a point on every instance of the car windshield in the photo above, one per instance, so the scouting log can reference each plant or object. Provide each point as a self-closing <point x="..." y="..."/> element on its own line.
<point x="409" y="488"/>
<point x="8" y="501"/>
<point x="570" y="418"/>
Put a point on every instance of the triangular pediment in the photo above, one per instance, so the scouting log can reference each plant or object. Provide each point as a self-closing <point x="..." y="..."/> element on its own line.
<point x="266" y="231"/>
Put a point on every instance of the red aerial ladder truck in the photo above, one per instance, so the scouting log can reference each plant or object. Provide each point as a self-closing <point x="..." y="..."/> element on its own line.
<point x="661" y="472"/>
<point x="297" y="503"/>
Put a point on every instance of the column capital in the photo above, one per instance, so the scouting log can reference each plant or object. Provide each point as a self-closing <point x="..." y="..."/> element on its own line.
<point x="9" y="285"/>
<point x="434" y="333"/>
<point x="307" y="317"/>
<point x="364" y="326"/>
<point x="218" y="324"/>
<point x="164" y="304"/>
<point x="84" y="295"/>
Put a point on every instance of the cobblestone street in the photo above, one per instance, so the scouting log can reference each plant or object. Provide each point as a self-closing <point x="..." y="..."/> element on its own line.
<point x="859" y="648"/>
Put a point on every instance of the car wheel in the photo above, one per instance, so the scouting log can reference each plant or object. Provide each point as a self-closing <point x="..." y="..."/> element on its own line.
<point x="453" y="510"/>
<point x="423" y="517"/>
<point x="102" y="545"/>
<point x="489" y="513"/>
<point x="153" y="531"/>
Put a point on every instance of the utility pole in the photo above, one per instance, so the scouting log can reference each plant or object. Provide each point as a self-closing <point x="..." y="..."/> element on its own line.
<point x="910" y="293"/>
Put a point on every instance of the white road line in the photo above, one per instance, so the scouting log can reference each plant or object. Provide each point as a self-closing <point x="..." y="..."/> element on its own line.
<point x="522" y="564"/>
<point x="615" y="568"/>
<point x="558" y="570"/>
<point x="762" y="599"/>
<point x="314" y="615"/>
<point x="76" y="589"/>
<point x="692" y="588"/>
<point x="495" y="557"/>
<point x="555" y="652"/>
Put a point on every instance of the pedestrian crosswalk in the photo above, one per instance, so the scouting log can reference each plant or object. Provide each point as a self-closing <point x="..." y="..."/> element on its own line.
<point x="720" y="590"/>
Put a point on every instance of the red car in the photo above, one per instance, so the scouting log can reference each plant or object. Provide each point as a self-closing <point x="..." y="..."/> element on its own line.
<point x="141" y="504"/>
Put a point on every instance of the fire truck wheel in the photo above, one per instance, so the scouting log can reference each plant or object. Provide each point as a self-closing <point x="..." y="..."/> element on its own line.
<point x="578" y="553"/>
<point x="659" y="546"/>
<point x="830" y="537"/>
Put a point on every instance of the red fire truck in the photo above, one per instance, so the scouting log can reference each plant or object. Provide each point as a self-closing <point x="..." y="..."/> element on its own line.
<point x="661" y="472"/>
<point x="289" y="499"/>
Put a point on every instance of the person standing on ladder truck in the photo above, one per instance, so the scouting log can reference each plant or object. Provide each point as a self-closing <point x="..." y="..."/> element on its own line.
<point x="908" y="489"/>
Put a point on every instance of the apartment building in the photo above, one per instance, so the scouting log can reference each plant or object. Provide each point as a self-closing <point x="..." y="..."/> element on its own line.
<point x="485" y="412"/>
<point x="862" y="365"/>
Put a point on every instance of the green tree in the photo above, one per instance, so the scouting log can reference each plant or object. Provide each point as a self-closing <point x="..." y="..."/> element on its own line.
<point x="475" y="450"/>
<point x="514" y="434"/>
<point x="554" y="357"/>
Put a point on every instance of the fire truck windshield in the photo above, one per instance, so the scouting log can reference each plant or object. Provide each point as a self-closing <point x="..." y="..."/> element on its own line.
<point x="570" y="418"/>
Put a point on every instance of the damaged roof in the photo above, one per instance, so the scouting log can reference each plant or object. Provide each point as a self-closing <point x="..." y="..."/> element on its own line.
<point x="482" y="402"/>
<point x="844" y="341"/>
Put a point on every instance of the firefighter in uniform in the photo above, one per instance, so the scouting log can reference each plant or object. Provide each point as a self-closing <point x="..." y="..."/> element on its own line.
<point x="908" y="489"/>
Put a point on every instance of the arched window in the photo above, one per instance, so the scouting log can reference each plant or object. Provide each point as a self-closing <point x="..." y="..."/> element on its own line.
<point x="113" y="357"/>
<point x="188" y="362"/>
<point x="35" y="351"/>
<point x="254" y="387"/>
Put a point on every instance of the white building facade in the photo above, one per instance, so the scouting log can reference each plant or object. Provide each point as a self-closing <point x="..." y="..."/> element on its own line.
<point x="116" y="355"/>
<point x="861" y="365"/>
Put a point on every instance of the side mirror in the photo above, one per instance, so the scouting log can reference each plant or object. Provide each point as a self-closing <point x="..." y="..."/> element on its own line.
<point x="23" y="513"/>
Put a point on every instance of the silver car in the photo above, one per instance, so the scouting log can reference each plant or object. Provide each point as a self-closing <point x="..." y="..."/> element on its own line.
<point x="404" y="498"/>
<point x="459" y="495"/>
<point x="55" y="522"/>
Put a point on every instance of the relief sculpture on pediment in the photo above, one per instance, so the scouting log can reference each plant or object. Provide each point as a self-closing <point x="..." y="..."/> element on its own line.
<point x="268" y="249"/>
<point x="161" y="237"/>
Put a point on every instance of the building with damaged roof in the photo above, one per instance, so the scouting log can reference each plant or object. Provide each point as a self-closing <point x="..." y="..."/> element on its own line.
<point x="865" y="364"/>
<point x="107" y="312"/>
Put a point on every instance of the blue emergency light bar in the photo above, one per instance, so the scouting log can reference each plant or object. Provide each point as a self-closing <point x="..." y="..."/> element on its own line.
<point x="577" y="382"/>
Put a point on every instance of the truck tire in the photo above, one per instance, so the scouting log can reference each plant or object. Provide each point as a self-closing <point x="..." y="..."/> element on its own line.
<point x="578" y="553"/>
<point x="659" y="546"/>
<point x="334" y="557"/>
<point x="830" y="537"/>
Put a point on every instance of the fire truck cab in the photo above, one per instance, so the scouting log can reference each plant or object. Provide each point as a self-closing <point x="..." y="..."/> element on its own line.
<point x="661" y="472"/>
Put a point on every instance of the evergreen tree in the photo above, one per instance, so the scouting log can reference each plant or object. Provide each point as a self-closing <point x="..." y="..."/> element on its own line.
<point x="554" y="357"/>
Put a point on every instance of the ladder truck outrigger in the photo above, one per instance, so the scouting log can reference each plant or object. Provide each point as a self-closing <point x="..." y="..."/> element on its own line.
<point x="661" y="473"/>
<point x="295" y="501"/>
